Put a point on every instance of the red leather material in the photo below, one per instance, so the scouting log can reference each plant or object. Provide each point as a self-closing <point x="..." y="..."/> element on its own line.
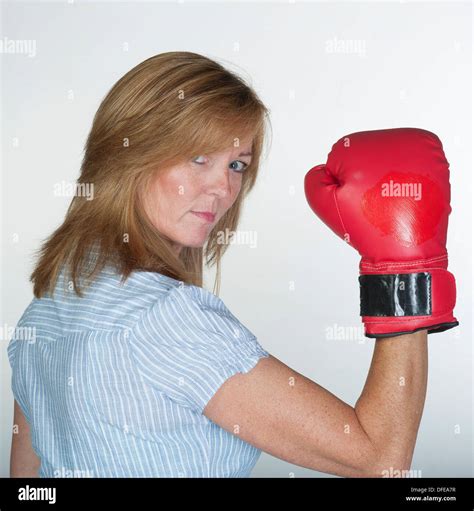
<point x="387" y="194"/>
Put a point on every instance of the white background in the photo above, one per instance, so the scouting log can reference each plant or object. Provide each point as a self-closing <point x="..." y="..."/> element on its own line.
<point x="411" y="66"/>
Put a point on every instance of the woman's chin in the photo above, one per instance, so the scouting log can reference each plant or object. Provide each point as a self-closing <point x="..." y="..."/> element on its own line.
<point x="194" y="242"/>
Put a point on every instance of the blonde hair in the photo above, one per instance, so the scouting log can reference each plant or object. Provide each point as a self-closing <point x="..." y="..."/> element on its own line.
<point x="167" y="109"/>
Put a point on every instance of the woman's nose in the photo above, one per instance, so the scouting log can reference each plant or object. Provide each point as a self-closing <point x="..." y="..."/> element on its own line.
<point x="220" y="183"/>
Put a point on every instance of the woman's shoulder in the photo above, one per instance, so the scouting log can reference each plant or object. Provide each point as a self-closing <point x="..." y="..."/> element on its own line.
<point x="193" y="313"/>
<point x="185" y="298"/>
<point x="188" y="343"/>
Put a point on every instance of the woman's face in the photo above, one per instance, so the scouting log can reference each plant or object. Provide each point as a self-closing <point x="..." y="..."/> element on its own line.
<point x="208" y="183"/>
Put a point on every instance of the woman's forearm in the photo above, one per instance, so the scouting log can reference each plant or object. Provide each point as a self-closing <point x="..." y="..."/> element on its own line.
<point x="391" y="404"/>
<point x="23" y="459"/>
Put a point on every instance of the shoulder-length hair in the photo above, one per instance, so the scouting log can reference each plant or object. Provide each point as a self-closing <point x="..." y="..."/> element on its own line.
<point x="166" y="110"/>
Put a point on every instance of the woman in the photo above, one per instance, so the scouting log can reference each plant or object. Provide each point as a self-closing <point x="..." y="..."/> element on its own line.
<point x="134" y="370"/>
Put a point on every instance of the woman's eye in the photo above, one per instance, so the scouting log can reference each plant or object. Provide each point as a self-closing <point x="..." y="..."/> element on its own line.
<point x="197" y="158"/>
<point x="239" y="169"/>
<point x="236" y="165"/>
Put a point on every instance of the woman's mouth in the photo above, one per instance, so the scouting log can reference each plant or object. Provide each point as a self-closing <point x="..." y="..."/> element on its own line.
<point x="205" y="215"/>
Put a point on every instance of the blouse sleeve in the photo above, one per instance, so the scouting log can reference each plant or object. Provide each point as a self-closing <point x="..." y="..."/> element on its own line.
<point x="189" y="343"/>
<point x="11" y="350"/>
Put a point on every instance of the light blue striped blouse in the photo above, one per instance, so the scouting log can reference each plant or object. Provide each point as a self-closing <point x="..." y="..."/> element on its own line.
<point x="114" y="384"/>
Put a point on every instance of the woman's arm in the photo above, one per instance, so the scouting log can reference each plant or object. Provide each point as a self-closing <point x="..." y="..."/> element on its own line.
<point x="391" y="404"/>
<point x="23" y="460"/>
<point x="291" y="417"/>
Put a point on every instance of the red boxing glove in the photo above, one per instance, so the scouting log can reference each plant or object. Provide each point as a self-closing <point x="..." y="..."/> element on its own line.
<point x="387" y="193"/>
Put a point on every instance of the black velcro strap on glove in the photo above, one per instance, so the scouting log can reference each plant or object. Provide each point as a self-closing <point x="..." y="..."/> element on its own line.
<point x="401" y="294"/>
